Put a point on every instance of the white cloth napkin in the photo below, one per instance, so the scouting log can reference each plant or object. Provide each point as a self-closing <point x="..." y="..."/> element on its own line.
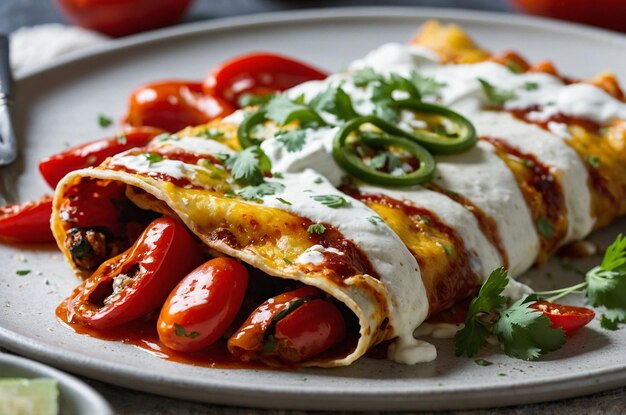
<point x="37" y="45"/>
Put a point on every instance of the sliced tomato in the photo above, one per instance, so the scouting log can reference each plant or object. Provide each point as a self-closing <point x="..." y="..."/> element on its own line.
<point x="279" y="327"/>
<point x="173" y="105"/>
<point x="258" y="74"/>
<point x="137" y="281"/>
<point x="55" y="167"/>
<point x="309" y="330"/>
<point x="123" y="17"/>
<point x="203" y="305"/>
<point x="569" y="318"/>
<point x="27" y="222"/>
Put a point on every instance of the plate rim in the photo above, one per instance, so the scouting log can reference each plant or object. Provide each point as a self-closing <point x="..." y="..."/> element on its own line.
<point x="225" y="392"/>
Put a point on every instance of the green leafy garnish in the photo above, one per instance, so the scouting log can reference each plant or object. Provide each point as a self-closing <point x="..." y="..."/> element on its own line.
<point x="248" y="100"/>
<point x="594" y="161"/>
<point x="375" y="220"/>
<point x="121" y="139"/>
<point x="483" y="362"/>
<point x="318" y="180"/>
<point x="494" y="94"/>
<point x="153" y="158"/>
<point x="531" y="86"/>
<point x="545" y="228"/>
<point x="335" y="101"/>
<point x="104" y="121"/>
<point x="606" y="284"/>
<point x="293" y="140"/>
<point x="212" y="133"/>
<point x="523" y="332"/>
<point x="256" y="192"/>
<point x="385" y="158"/>
<point x="22" y="272"/>
<point x="282" y="111"/>
<point x="316" y="228"/>
<point x="283" y="201"/>
<point x="246" y="165"/>
<point x="181" y="331"/>
<point x="363" y="77"/>
<point x="426" y="85"/>
<point x="332" y="201"/>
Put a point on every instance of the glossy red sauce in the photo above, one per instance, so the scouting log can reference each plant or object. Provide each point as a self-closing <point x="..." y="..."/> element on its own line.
<point x="142" y="334"/>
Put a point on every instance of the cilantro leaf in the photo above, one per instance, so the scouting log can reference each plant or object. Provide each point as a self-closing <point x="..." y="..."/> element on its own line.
<point x="332" y="201"/>
<point x="293" y="140"/>
<point x="526" y="333"/>
<point x="246" y="165"/>
<point x="248" y="100"/>
<point x="531" y="86"/>
<point x="260" y="190"/>
<point x="545" y="228"/>
<point x="374" y="220"/>
<point x="282" y="111"/>
<point x="316" y="228"/>
<point x="335" y="101"/>
<point x="494" y="94"/>
<point x="426" y="85"/>
<point x="283" y="201"/>
<point x="473" y="336"/>
<point x="153" y="158"/>
<point x="104" y="121"/>
<point x="615" y="256"/>
<point x="363" y="77"/>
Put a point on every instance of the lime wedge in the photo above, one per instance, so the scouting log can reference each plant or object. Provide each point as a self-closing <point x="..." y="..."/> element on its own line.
<point x="29" y="396"/>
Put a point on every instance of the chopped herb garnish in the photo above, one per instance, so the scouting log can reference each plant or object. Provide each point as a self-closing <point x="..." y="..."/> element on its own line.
<point x="316" y="228"/>
<point x="494" y="94"/>
<point x="212" y="133"/>
<point x="448" y="248"/>
<point x="282" y="111"/>
<point x="318" y="180"/>
<point x="22" y="272"/>
<point x="335" y="101"/>
<point x="293" y="140"/>
<point x="288" y="261"/>
<point x="545" y="228"/>
<point x="483" y="362"/>
<point x="263" y="189"/>
<point x="374" y="220"/>
<point x="248" y="100"/>
<point x="594" y="161"/>
<point x="426" y="85"/>
<point x="278" y="175"/>
<point x="362" y="77"/>
<point x="283" y="201"/>
<point x="332" y="201"/>
<point x="182" y="332"/>
<point x="104" y="121"/>
<point x="531" y="86"/>
<point x="390" y="160"/>
<point x="163" y="137"/>
<point x="514" y="67"/>
<point x="246" y="165"/>
<point x="153" y="158"/>
<point x="121" y="139"/>
<point x="522" y="331"/>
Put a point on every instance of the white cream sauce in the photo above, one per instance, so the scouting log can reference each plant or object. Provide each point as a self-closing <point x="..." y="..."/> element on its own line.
<point x="315" y="255"/>
<point x="195" y="145"/>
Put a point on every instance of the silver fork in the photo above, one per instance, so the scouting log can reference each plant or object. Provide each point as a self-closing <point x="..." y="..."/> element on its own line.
<point x="8" y="145"/>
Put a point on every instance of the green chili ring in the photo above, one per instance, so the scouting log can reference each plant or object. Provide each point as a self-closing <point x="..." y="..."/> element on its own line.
<point x="249" y="122"/>
<point x="438" y="143"/>
<point x="350" y="162"/>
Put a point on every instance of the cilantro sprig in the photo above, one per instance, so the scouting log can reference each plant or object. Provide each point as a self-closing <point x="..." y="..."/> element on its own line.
<point x="494" y="94"/>
<point x="523" y="332"/>
<point x="283" y="111"/>
<point x="250" y="165"/>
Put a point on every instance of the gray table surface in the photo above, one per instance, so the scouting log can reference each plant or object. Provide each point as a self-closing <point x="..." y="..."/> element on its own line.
<point x="17" y="13"/>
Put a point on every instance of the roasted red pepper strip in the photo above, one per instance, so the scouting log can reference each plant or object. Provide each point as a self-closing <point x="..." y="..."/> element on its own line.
<point x="203" y="305"/>
<point x="277" y="328"/>
<point x="258" y="74"/>
<point x="173" y="105"/>
<point x="569" y="318"/>
<point x="138" y="281"/>
<point x="55" y="167"/>
<point x="27" y="222"/>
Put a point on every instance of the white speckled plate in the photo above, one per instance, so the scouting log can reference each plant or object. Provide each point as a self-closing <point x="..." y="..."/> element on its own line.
<point x="75" y="397"/>
<point x="59" y="104"/>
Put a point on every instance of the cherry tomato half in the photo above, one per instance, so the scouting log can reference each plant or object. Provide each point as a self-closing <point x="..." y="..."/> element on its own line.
<point x="278" y="328"/>
<point x="173" y="105"/>
<point x="123" y="17"/>
<point x="258" y="74"/>
<point x="203" y="305"/>
<point x="27" y="222"/>
<point x="312" y="328"/>
<point x="55" y="167"/>
<point x="569" y="318"/>
<point x="138" y="281"/>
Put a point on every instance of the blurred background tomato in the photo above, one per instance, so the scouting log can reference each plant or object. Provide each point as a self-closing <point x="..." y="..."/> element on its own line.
<point x="610" y="14"/>
<point x="123" y="17"/>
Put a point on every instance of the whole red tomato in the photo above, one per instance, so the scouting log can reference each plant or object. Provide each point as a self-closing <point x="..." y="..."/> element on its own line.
<point x="123" y="17"/>
<point x="604" y="13"/>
